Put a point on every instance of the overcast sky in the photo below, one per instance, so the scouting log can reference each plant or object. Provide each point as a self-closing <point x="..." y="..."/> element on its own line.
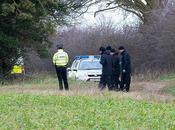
<point x="117" y="16"/>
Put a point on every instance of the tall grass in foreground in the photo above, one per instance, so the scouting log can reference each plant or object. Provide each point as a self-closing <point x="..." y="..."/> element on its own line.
<point x="85" y="113"/>
<point x="31" y="104"/>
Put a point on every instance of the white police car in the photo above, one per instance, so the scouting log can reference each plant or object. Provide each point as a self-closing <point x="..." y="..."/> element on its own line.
<point x="86" y="68"/>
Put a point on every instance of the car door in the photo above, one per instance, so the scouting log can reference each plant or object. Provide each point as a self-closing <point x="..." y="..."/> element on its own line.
<point x="73" y="70"/>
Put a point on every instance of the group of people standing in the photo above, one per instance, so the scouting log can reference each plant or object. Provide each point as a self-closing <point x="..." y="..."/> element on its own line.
<point x="116" y="69"/>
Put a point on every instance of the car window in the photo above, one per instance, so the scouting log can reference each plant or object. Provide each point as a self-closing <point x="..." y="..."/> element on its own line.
<point x="90" y="65"/>
<point x="74" y="65"/>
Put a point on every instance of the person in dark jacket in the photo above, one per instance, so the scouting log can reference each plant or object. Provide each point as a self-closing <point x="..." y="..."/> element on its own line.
<point x="101" y="52"/>
<point x="106" y="61"/>
<point x="116" y="70"/>
<point x="126" y="69"/>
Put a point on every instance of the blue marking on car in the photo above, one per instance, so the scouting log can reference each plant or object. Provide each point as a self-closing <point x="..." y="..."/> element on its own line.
<point x="87" y="57"/>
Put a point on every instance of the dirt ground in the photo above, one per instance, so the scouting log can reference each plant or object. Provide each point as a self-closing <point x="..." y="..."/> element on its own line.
<point x="151" y="91"/>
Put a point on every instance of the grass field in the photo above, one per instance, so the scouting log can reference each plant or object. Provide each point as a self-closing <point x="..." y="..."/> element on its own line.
<point x="37" y="104"/>
<point x="167" y="77"/>
<point x="170" y="89"/>
<point x="171" y="86"/>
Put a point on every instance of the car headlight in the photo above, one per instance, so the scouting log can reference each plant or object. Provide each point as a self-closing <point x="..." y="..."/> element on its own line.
<point x="81" y="76"/>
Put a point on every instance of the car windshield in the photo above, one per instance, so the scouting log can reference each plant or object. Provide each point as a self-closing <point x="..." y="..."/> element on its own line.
<point x="90" y="65"/>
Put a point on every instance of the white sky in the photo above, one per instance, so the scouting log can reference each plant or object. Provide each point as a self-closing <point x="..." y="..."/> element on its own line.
<point x="117" y="16"/>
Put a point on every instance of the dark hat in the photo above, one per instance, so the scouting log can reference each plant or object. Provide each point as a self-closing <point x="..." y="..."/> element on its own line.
<point x="113" y="50"/>
<point x="60" y="46"/>
<point x="121" y="48"/>
<point x="102" y="49"/>
<point x="108" y="48"/>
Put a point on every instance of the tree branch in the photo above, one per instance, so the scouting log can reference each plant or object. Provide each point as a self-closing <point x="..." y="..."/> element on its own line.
<point x="106" y="9"/>
<point x="132" y="11"/>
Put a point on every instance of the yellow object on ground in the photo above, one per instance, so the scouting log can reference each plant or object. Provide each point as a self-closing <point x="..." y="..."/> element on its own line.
<point x="17" y="69"/>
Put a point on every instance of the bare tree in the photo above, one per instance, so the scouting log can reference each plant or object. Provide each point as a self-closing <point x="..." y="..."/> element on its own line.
<point x="141" y="8"/>
<point x="151" y="45"/>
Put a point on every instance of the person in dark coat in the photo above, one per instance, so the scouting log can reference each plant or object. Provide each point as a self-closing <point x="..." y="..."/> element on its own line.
<point x="101" y="52"/>
<point x="116" y="70"/>
<point x="106" y="61"/>
<point x="126" y="69"/>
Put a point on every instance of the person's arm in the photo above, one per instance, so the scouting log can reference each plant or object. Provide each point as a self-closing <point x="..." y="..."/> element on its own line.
<point x="126" y="59"/>
<point x="54" y="59"/>
<point x="118" y="63"/>
<point x="67" y="58"/>
<point x="102" y="60"/>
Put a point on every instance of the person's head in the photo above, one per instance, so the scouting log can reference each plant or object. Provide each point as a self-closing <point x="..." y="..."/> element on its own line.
<point x="121" y="49"/>
<point x="108" y="48"/>
<point x="102" y="50"/>
<point x="113" y="51"/>
<point x="60" y="46"/>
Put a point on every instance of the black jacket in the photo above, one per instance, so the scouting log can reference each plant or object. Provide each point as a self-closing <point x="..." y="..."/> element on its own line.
<point x="116" y="64"/>
<point x="125" y="62"/>
<point x="106" y="61"/>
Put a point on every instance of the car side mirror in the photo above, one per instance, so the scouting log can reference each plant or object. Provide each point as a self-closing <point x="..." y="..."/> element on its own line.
<point x="68" y="69"/>
<point x="74" y="69"/>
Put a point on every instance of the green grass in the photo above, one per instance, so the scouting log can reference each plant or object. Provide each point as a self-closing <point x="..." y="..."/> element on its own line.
<point x="170" y="90"/>
<point x="31" y="112"/>
<point x="78" y="109"/>
<point x="171" y="83"/>
<point x="167" y="77"/>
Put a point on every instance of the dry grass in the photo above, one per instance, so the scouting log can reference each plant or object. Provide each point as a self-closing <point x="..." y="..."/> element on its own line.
<point x="150" y="90"/>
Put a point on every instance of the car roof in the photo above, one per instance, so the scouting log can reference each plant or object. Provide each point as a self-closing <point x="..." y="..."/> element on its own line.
<point x="87" y="57"/>
<point x="80" y="60"/>
<point x="90" y="60"/>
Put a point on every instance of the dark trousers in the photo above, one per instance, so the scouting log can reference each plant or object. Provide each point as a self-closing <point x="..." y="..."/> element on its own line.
<point x="62" y="77"/>
<point x="100" y="85"/>
<point x="115" y="81"/>
<point x="125" y="81"/>
<point x="105" y="80"/>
